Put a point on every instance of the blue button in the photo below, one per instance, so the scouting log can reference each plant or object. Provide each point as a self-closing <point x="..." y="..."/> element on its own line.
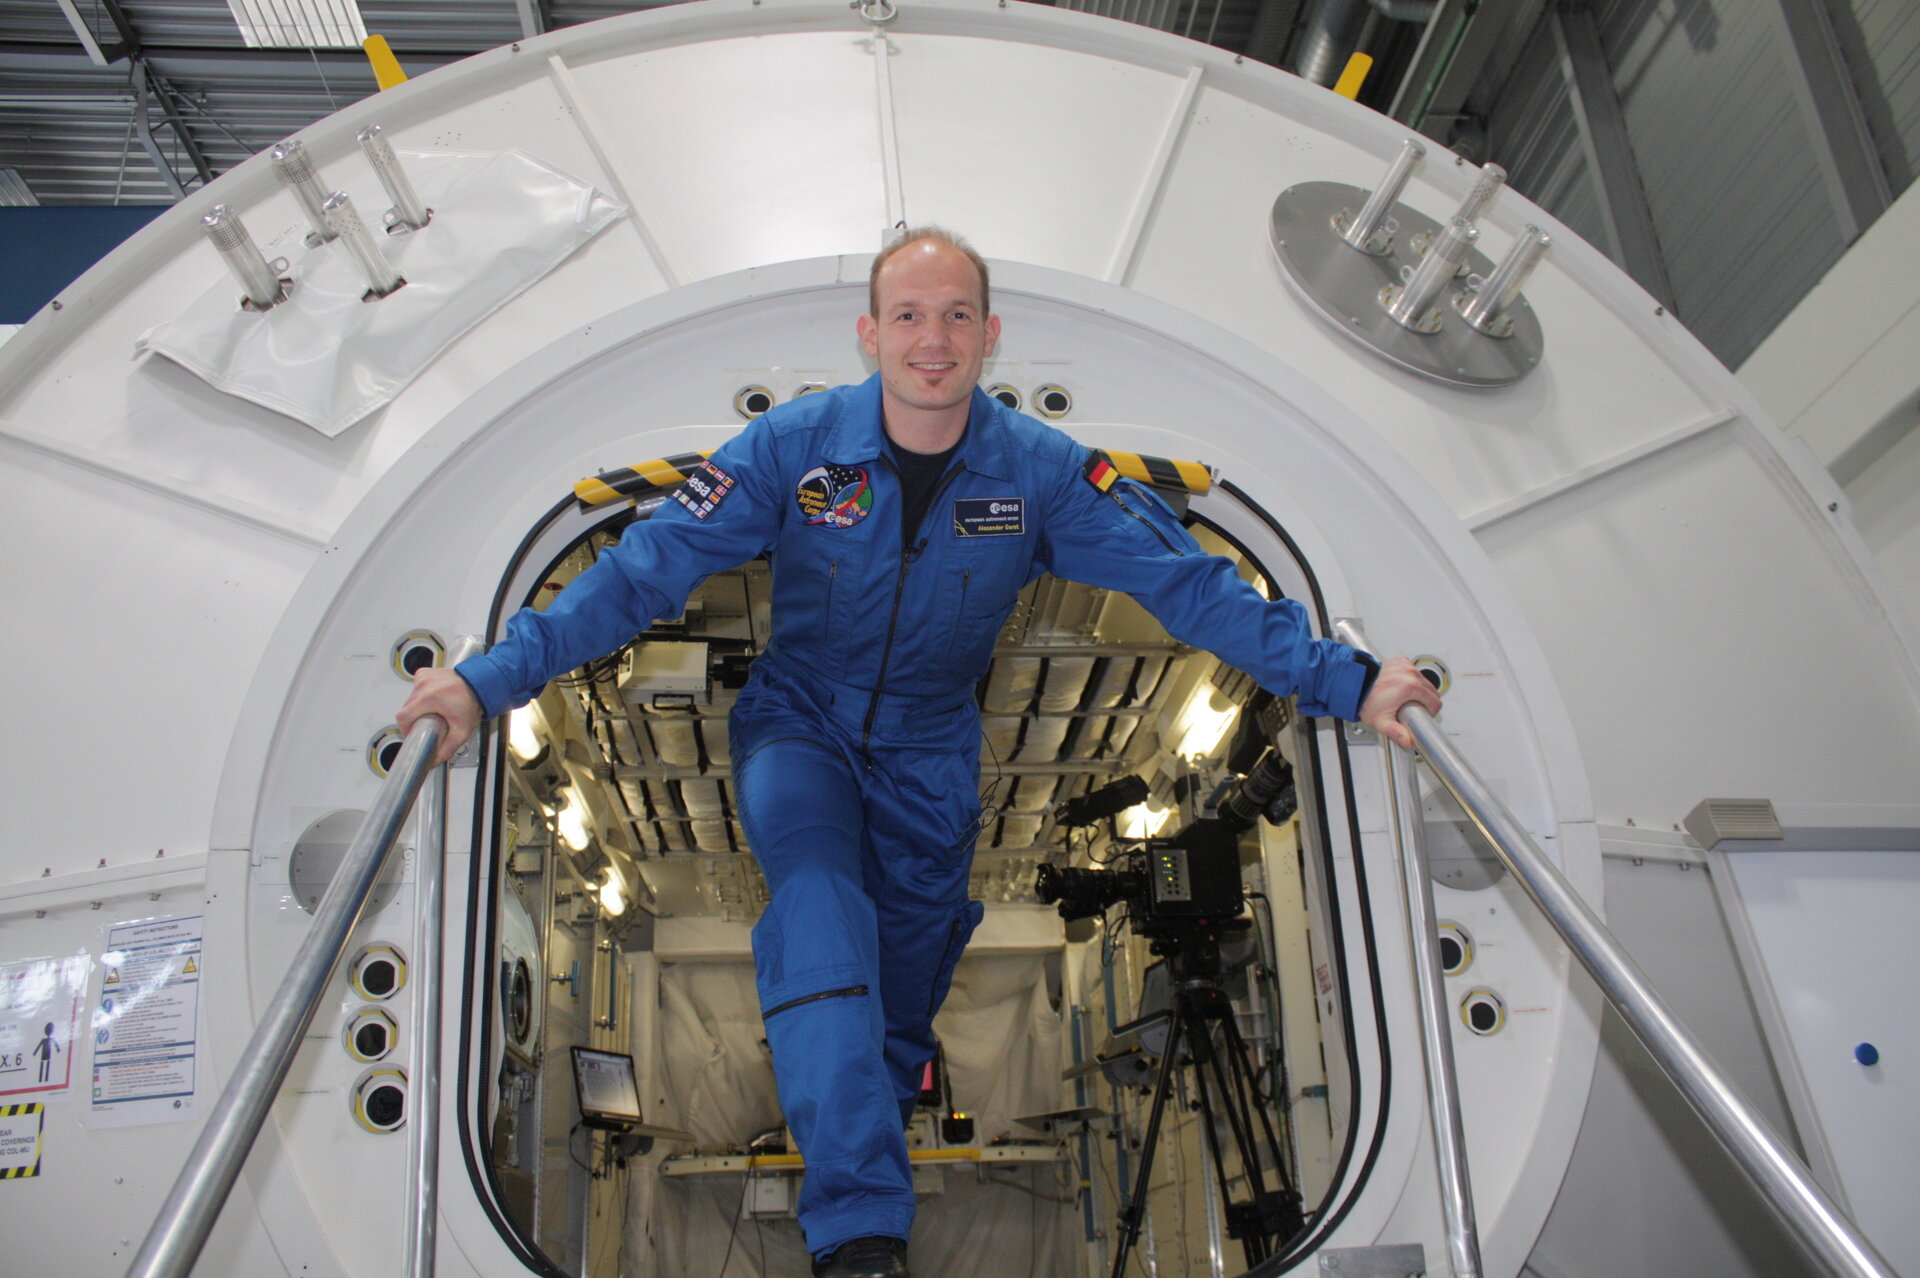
<point x="1867" y="1054"/>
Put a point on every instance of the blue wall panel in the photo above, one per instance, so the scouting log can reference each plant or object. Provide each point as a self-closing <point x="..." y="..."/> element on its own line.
<point x="44" y="249"/>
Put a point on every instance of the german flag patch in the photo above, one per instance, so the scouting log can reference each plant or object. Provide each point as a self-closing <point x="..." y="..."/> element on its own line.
<point x="1099" y="471"/>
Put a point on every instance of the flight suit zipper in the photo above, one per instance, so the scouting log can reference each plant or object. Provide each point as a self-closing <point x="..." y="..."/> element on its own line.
<point x="1148" y="523"/>
<point x="948" y="959"/>
<point x="852" y="991"/>
<point x="907" y="557"/>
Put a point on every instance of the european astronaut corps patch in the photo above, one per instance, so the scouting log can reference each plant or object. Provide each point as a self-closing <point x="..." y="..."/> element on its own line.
<point x="834" y="496"/>
<point x="989" y="516"/>
<point x="704" y="489"/>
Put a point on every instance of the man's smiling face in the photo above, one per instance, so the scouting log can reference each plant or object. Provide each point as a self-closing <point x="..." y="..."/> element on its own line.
<point x="931" y="333"/>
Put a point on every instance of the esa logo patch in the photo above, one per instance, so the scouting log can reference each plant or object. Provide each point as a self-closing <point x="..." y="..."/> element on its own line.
<point x="834" y="496"/>
<point x="704" y="489"/>
<point x="989" y="516"/>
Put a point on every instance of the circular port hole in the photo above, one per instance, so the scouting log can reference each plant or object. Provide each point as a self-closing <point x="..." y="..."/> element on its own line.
<point x="1436" y="672"/>
<point x="1006" y="395"/>
<point x="1456" y="948"/>
<point x="1483" y="1011"/>
<point x="386" y="1106"/>
<point x="805" y="388"/>
<point x="380" y="1100"/>
<point x="371" y="1034"/>
<point x="378" y="972"/>
<point x="417" y="650"/>
<point x="520" y="1001"/>
<point x="384" y="751"/>
<point x="1052" y="401"/>
<point x="751" y="401"/>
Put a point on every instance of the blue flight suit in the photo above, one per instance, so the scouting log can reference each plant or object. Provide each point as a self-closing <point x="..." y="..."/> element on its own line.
<point x="855" y="743"/>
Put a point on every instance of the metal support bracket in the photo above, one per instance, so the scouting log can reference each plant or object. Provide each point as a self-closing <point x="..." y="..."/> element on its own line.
<point x="1354" y="732"/>
<point x="464" y="646"/>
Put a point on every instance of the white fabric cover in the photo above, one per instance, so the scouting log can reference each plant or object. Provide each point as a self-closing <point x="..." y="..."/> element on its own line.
<point x="1004" y="1052"/>
<point x="501" y="220"/>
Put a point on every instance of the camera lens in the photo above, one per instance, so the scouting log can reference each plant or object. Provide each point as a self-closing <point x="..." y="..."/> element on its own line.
<point x="1267" y="790"/>
<point x="1082" y="893"/>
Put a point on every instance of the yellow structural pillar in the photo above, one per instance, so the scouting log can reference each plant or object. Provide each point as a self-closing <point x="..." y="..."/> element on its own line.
<point x="386" y="67"/>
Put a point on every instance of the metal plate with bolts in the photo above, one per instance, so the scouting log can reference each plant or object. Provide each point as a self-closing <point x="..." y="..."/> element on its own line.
<point x="1344" y="285"/>
<point x="1396" y="1260"/>
<point x="318" y="854"/>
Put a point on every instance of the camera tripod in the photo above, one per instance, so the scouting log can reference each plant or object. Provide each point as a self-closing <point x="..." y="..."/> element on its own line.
<point x="1223" y="1077"/>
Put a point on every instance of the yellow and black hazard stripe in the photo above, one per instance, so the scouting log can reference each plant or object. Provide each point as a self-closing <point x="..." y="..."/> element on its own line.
<point x="637" y="481"/>
<point x="1102" y="469"/>
<point x="26" y="1110"/>
<point x="1104" y="466"/>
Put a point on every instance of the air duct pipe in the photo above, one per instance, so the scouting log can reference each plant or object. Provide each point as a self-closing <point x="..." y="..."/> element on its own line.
<point x="1334" y="29"/>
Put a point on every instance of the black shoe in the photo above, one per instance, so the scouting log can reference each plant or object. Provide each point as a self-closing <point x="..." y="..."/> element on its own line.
<point x="876" y="1257"/>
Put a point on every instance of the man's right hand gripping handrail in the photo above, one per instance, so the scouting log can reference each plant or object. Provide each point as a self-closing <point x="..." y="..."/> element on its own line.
<point x="1829" y="1237"/>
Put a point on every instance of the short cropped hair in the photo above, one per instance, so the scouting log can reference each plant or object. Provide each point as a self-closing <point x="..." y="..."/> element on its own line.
<point x="913" y="235"/>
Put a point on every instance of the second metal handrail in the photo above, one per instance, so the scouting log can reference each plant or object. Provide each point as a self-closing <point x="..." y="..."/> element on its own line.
<point x="429" y="913"/>
<point x="1430" y="996"/>
<point x="1829" y="1237"/>
<point x="1436" y="1032"/>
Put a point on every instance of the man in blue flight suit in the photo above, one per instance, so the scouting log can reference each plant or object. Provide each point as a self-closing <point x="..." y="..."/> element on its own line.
<point x="901" y="518"/>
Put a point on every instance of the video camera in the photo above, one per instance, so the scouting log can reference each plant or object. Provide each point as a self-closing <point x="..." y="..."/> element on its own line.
<point x="1190" y="881"/>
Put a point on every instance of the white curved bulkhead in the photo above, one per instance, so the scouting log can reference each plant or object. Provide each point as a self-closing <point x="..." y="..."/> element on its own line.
<point x="1601" y="553"/>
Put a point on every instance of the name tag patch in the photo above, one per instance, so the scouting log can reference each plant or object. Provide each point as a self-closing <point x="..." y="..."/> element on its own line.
<point x="989" y="516"/>
<point x="704" y="489"/>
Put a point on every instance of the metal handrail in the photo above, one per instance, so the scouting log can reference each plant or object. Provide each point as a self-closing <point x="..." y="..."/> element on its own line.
<point x="1436" y="1032"/>
<point x="429" y="928"/>
<point x="180" y="1231"/>
<point x="1830" y="1238"/>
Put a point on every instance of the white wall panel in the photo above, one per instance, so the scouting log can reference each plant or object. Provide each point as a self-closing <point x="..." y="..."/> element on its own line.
<point x="1832" y="931"/>
<point x="120" y="727"/>
<point x="1477" y="448"/>
<point x="1886" y="509"/>
<point x="986" y="127"/>
<point x="749" y="150"/>
<point x="1692" y="610"/>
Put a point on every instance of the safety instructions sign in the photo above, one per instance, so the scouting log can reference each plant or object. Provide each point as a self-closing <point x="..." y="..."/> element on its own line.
<point x="39" y="1014"/>
<point x="146" y="1026"/>
<point x="20" y="1128"/>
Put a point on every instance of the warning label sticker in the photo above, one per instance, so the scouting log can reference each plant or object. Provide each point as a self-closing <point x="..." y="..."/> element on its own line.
<point x="20" y="1131"/>
<point x="146" y="1026"/>
<point x="39" y="1016"/>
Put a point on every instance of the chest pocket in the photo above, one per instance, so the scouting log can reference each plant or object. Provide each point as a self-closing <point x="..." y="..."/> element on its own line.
<point x="983" y="577"/>
<point x="822" y="595"/>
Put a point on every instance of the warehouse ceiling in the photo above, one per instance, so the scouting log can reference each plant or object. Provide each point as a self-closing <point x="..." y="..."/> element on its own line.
<point x="1723" y="152"/>
<point x="141" y="101"/>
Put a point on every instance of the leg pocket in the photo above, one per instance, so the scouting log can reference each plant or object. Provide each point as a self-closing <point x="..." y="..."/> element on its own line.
<point x="959" y="932"/>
